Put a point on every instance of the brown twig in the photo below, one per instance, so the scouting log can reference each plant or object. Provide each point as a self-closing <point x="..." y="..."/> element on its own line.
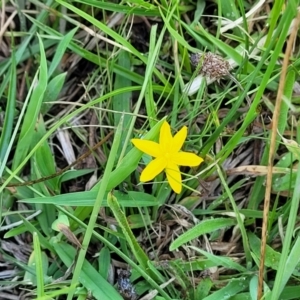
<point x="285" y="65"/>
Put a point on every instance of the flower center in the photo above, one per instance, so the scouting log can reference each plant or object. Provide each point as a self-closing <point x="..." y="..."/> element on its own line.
<point x="168" y="155"/>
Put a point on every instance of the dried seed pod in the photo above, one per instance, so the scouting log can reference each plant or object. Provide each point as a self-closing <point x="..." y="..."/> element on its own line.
<point x="215" y="67"/>
<point x="212" y="65"/>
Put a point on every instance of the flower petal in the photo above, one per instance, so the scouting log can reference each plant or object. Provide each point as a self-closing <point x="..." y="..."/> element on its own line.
<point x="153" y="169"/>
<point x="174" y="177"/>
<point x="179" y="139"/>
<point x="186" y="159"/>
<point x="165" y="137"/>
<point x="148" y="147"/>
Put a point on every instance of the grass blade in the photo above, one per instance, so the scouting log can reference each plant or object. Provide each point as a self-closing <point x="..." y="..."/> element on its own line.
<point x="34" y="105"/>
<point x="9" y="113"/>
<point x="206" y="226"/>
<point x="38" y="265"/>
<point x="282" y="273"/>
<point x="97" y="206"/>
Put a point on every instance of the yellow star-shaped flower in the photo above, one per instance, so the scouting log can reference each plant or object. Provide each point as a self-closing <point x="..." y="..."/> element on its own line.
<point x="167" y="156"/>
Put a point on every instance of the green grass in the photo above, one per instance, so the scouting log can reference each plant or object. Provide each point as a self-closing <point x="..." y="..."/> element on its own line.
<point x="97" y="70"/>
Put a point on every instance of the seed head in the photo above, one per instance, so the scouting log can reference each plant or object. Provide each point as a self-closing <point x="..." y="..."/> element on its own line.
<point x="212" y="65"/>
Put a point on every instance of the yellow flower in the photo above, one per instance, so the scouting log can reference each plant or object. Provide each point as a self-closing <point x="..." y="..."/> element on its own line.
<point x="167" y="156"/>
